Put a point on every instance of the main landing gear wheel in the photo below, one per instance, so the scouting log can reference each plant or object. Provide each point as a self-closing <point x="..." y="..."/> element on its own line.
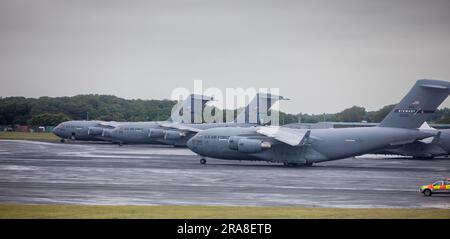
<point x="203" y="161"/>
<point x="62" y="140"/>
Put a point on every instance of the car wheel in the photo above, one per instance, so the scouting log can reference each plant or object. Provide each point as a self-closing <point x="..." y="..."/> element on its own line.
<point x="203" y="161"/>
<point x="427" y="192"/>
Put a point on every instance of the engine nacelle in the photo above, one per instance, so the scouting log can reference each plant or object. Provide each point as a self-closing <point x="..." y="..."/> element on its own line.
<point x="174" y="135"/>
<point x="233" y="142"/>
<point x="252" y="146"/>
<point x="107" y="132"/>
<point x="156" y="133"/>
<point x="95" y="131"/>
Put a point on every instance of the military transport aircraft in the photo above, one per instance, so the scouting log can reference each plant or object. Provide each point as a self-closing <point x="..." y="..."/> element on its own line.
<point x="178" y="133"/>
<point x="101" y="130"/>
<point x="304" y="147"/>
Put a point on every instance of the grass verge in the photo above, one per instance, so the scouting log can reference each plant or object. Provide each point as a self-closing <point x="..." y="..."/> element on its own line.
<point x="192" y="212"/>
<point x="29" y="136"/>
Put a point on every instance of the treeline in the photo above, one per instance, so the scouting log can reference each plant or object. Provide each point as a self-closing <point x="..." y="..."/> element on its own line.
<point x="50" y="111"/>
<point x="358" y="114"/>
<point x="53" y="110"/>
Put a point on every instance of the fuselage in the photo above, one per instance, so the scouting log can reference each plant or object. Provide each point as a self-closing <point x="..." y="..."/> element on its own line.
<point x="141" y="133"/>
<point x="426" y="148"/>
<point x="156" y="133"/>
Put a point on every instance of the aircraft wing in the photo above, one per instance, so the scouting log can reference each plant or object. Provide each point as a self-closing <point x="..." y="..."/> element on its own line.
<point x="288" y="136"/>
<point x="111" y="124"/>
<point x="180" y="127"/>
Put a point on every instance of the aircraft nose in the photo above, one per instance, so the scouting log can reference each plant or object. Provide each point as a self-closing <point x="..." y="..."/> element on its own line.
<point x="56" y="130"/>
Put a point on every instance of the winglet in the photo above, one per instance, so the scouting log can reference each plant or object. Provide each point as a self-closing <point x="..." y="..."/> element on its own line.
<point x="305" y="138"/>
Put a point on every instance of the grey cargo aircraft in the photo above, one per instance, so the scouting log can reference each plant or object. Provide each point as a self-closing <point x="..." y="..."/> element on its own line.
<point x="101" y="130"/>
<point x="177" y="133"/>
<point x="304" y="147"/>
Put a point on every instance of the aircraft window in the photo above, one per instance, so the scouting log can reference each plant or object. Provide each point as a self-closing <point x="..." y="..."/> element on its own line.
<point x="437" y="183"/>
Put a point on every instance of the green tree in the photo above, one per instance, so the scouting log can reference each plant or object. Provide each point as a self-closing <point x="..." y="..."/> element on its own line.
<point x="353" y="114"/>
<point x="48" y="119"/>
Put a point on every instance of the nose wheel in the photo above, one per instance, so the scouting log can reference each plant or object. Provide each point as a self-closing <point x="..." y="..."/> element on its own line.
<point x="203" y="161"/>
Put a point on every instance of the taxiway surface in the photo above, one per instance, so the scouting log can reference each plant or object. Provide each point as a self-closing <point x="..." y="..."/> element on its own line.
<point x="98" y="173"/>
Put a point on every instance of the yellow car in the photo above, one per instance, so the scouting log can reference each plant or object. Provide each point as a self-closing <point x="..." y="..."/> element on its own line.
<point x="441" y="186"/>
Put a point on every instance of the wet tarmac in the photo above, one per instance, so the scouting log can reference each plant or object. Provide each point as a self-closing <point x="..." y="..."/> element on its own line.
<point x="98" y="173"/>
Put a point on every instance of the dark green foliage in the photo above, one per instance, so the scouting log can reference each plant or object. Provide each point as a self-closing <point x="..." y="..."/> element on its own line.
<point x="20" y="110"/>
<point x="48" y="119"/>
<point x="353" y="114"/>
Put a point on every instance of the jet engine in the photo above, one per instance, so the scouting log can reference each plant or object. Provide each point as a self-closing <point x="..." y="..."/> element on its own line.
<point x="174" y="135"/>
<point x="107" y="132"/>
<point x="251" y="146"/>
<point x="233" y="142"/>
<point x="95" y="131"/>
<point x="156" y="133"/>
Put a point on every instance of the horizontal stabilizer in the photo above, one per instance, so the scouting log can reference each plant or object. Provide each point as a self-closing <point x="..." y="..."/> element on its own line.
<point x="437" y="138"/>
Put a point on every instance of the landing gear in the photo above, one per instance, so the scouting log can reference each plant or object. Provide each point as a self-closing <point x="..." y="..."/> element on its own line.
<point x="120" y="144"/>
<point x="62" y="140"/>
<point x="203" y="161"/>
<point x="287" y="164"/>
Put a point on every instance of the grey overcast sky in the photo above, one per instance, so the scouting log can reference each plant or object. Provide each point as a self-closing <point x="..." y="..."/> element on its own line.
<point x="324" y="55"/>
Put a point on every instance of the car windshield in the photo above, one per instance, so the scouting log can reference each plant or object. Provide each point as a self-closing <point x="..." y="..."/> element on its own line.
<point x="437" y="183"/>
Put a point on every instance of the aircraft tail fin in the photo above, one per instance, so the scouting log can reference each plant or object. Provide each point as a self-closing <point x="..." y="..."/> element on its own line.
<point x="190" y="110"/>
<point x="418" y="105"/>
<point x="258" y="108"/>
